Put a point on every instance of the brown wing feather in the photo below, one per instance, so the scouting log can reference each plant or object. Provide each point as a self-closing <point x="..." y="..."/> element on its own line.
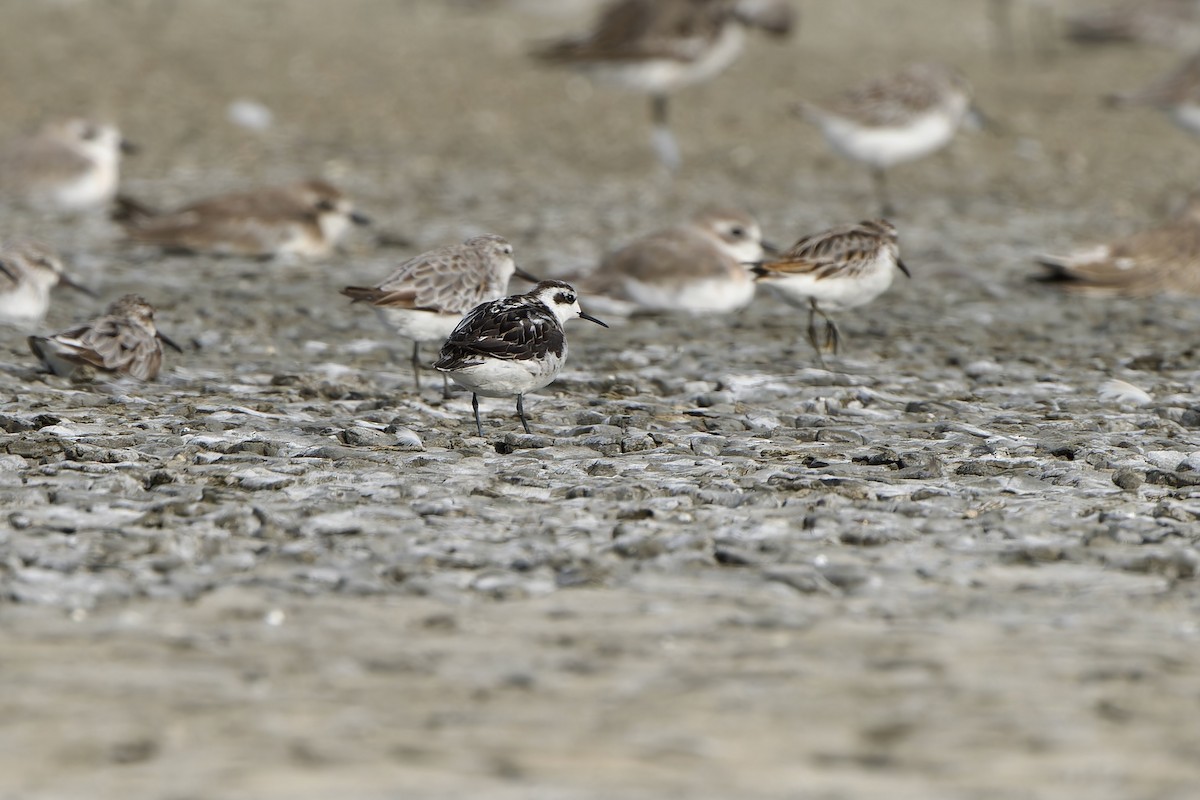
<point x="672" y="253"/>
<point x="450" y="280"/>
<point x="113" y="345"/>
<point x="825" y="254"/>
<point x="639" y="29"/>
<point x="1163" y="259"/>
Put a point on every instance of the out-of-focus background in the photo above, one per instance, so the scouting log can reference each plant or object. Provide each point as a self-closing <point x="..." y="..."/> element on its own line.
<point x="717" y="573"/>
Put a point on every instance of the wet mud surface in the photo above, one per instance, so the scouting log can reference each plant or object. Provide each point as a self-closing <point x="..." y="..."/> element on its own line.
<point x="948" y="566"/>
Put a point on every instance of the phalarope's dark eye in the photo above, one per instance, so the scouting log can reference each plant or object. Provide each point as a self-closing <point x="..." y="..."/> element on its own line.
<point x="325" y="205"/>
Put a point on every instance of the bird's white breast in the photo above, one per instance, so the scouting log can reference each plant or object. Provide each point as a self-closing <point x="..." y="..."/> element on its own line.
<point x="662" y="75"/>
<point x="94" y="186"/>
<point x="25" y="304"/>
<point x="705" y="295"/>
<point x="497" y="377"/>
<point x="886" y="146"/>
<point x="840" y="291"/>
<point x="420" y="326"/>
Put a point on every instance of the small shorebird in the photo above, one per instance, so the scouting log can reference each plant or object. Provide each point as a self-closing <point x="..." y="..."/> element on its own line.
<point x="513" y="345"/>
<point x="1175" y="23"/>
<point x="68" y="166"/>
<point x="122" y="342"/>
<point x="425" y="297"/>
<point x="305" y="219"/>
<point x="698" y="267"/>
<point x="29" y="269"/>
<point x="834" y="270"/>
<point x="657" y="47"/>
<point x="1177" y="94"/>
<point x="1162" y="259"/>
<point x="894" y="119"/>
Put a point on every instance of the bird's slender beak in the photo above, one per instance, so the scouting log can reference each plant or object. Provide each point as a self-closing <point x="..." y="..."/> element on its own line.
<point x="162" y="337"/>
<point x="66" y="280"/>
<point x="903" y="268"/>
<point x="770" y="248"/>
<point x="358" y="218"/>
<point x="590" y="318"/>
<point x="128" y="147"/>
<point x="525" y="276"/>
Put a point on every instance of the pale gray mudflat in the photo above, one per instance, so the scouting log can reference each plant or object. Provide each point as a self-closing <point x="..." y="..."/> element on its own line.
<point x="943" y="569"/>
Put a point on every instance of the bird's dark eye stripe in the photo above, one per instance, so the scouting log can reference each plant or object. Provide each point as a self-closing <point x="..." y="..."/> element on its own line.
<point x="565" y="298"/>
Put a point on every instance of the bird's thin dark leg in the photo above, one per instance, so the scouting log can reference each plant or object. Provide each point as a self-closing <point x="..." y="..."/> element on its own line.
<point x="879" y="179"/>
<point x="445" y="387"/>
<point x="658" y="111"/>
<point x="521" y="412"/>
<point x="416" y="364"/>
<point x="475" y="405"/>
<point x="813" y="338"/>
<point x="665" y="146"/>
<point x="832" y="335"/>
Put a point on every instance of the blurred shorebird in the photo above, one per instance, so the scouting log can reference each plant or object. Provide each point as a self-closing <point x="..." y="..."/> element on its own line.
<point x="513" y="345"/>
<point x="123" y="342"/>
<point x="697" y="267"/>
<point x="893" y="119"/>
<point x="834" y="270"/>
<point x="1177" y="94"/>
<point x="1174" y="23"/>
<point x="1162" y="259"/>
<point x="29" y="269"/>
<point x="305" y="219"/>
<point x="657" y="47"/>
<point x="425" y="297"/>
<point x="69" y="166"/>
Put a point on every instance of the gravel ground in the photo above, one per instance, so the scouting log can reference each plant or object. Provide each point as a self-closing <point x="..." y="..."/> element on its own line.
<point x="945" y="568"/>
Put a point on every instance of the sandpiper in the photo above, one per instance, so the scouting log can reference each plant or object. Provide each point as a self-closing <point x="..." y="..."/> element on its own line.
<point x="305" y="219"/>
<point x="657" y="47"/>
<point x="29" y="269"/>
<point x="123" y="342"/>
<point x="426" y="297"/>
<point x="68" y="166"/>
<point x="1175" y="23"/>
<point x="698" y="267"/>
<point x="1177" y="94"/>
<point x="837" y="269"/>
<point x="1162" y="259"/>
<point x="893" y="119"/>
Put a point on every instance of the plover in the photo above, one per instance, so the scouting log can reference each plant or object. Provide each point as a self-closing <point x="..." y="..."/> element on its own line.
<point x="513" y="345"/>
<point x="893" y="119"/>
<point x="1177" y="94"/>
<point x="69" y="166"/>
<point x="305" y="219"/>
<point x="657" y="47"/>
<point x="698" y="267"/>
<point x="426" y="297"/>
<point x="837" y="269"/>
<point x="1162" y="259"/>
<point x="29" y="269"/>
<point x="123" y="342"/>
